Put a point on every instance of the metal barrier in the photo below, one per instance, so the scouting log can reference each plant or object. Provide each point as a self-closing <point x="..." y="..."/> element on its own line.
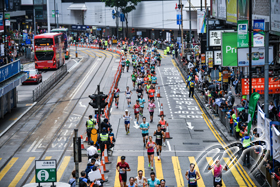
<point x="41" y="90"/>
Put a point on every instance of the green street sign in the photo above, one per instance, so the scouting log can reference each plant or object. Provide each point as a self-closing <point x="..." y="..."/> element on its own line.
<point x="45" y="171"/>
<point x="242" y="33"/>
<point x="53" y="13"/>
<point x="7" y="16"/>
<point x="229" y="49"/>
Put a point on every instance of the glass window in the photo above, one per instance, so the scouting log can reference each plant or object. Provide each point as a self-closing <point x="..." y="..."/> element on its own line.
<point x="44" y="55"/>
<point x="32" y="72"/>
<point x="43" y="41"/>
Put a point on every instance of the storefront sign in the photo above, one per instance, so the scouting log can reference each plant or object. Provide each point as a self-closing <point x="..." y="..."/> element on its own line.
<point x="218" y="57"/>
<point x="209" y="59"/>
<point x="243" y="9"/>
<point x="232" y="11"/>
<point x="258" y="54"/>
<point x="258" y="28"/>
<point x="275" y="15"/>
<point x="214" y="8"/>
<point x="203" y="59"/>
<point x="222" y="9"/>
<point x="215" y="38"/>
<point x="242" y="33"/>
<point x="229" y="49"/>
<point x="45" y="171"/>
<point x="258" y="85"/>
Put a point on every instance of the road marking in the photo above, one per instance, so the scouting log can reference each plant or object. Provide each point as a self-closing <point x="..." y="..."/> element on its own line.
<point x="76" y="64"/>
<point x="117" y="180"/>
<point x="158" y="167"/>
<point x="30" y="104"/>
<point x="33" y="179"/>
<point x="168" y="144"/>
<point x="200" y="182"/>
<point x="235" y="173"/>
<point x="62" y="167"/>
<point x="8" y="167"/>
<point x="0" y="158"/>
<point x="81" y="104"/>
<point x="190" y="125"/>
<point x="13" y="119"/>
<point x="220" y="140"/>
<point x="210" y="162"/>
<point x="22" y="171"/>
<point x="177" y="171"/>
<point x="32" y="145"/>
<point x="135" y="125"/>
<point x="35" y="147"/>
<point x="141" y="164"/>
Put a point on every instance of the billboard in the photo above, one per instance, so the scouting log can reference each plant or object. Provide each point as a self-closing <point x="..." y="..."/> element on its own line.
<point x="209" y="59"/>
<point x="232" y="11"/>
<point x="257" y="56"/>
<point x="201" y="22"/>
<point x="258" y="85"/>
<point x="222" y="9"/>
<point x="229" y="49"/>
<point x="214" y="8"/>
<point x="243" y="9"/>
<point x="215" y="37"/>
<point x="242" y="33"/>
<point x="274" y="15"/>
<point x="217" y="57"/>
<point x="9" y="70"/>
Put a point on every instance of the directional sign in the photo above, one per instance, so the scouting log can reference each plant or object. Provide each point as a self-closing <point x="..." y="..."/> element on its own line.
<point x="113" y="14"/>
<point x="45" y="171"/>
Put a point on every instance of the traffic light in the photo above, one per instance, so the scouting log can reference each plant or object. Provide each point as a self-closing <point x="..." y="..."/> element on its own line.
<point x="94" y="102"/>
<point x="103" y="102"/>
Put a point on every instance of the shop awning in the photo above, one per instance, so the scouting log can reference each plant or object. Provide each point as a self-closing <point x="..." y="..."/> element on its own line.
<point x="77" y="6"/>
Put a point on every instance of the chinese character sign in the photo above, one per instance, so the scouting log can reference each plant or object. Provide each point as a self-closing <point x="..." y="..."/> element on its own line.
<point x="258" y="85"/>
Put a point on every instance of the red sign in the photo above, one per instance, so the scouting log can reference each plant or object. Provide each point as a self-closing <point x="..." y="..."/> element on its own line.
<point x="258" y="85"/>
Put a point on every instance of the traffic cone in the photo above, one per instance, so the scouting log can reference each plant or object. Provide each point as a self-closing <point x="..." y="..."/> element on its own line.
<point x="103" y="164"/>
<point x="158" y="93"/>
<point x="161" y="113"/>
<point x="167" y="135"/>
<point x="102" y="174"/>
<point x="82" y="142"/>
<point x="86" y="139"/>
<point x="106" y="155"/>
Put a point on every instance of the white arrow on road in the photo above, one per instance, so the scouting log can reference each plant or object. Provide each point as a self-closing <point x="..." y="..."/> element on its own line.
<point x="190" y="125"/>
<point x="135" y="125"/>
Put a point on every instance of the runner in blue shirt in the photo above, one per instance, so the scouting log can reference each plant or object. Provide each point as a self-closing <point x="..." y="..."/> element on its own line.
<point x="154" y="80"/>
<point x="144" y="126"/>
<point x="141" y="102"/>
<point x="153" y="181"/>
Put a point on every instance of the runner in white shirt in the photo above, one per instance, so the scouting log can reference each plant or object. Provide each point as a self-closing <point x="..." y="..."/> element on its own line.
<point x="128" y="94"/>
<point x="127" y="118"/>
<point x="140" y="180"/>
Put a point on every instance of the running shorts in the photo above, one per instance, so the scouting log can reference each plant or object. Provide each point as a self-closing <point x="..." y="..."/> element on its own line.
<point x="145" y="134"/>
<point x="150" y="153"/>
<point x="163" y="129"/>
<point x="122" y="177"/>
<point x="126" y="122"/>
<point x="151" y="113"/>
<point x="159" y="142"/>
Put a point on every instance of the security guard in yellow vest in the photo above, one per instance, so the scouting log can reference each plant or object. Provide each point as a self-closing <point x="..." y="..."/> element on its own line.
<point x="90" y="124"/>
<point x="106" y="43"/>
<point x="103" y="139"/>
<point x="246" y="143"/>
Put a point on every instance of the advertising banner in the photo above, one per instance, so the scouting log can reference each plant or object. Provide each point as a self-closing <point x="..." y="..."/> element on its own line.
<point x="276" y="143"/>
<point x="222" y="9"/>
<point x="252" y="105"/>
<point x="257" y="56"/>
<point x="214" y="8"/>
<point x="201" y="22"/>
<point x="243" y="9"/>
<point x="229" y="49"/>
<point x="209" y="58"/>
<point x="232" y="11"/>
<point x="242" y="33"/>
<point x="258" y="85"/>
<point x="258" y="34"/>
<point x="203" y="59"/>
<point x="218" y="57"/>
<point x="9" y="70"/>
<point x="1" y="19"/>
<point x="275" y="15"/>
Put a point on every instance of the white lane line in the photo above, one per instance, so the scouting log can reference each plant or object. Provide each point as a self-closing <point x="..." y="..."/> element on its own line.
<point x="35" y="147"/>
<point x="32" y="145"/>
<point x="168" y="144"/>
<point x="77" y="63"/>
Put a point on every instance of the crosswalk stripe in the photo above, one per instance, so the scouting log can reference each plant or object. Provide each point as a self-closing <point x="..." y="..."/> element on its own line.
<point x="158" y="167"/>
<point x="8" y="167"/>
<point x="210" y="162"/>
<point x="141" y="164"/>
<point x="117" y="181"/>
<point x="235" y="173"/>
<point x="33" y="179"/>
<point x="62" y="167"/>
<point x="177" y="171"/>
<point x="21" y="172"/>
<point x="200" y="182"/>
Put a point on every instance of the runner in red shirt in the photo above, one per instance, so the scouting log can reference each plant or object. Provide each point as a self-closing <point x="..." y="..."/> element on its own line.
<point x="136" y="108"/>
<point x="116" y="93"/>
<point x="152" y="93"/>
<point x="122" y="168"/>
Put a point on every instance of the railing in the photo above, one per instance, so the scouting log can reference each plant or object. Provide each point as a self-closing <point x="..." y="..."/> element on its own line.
<point x="42" y="89"/>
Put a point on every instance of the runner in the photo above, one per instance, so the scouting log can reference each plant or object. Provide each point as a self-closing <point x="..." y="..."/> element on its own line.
<point x="116" y="96"/>
<point x="218" y="168"/>
<point x="123" y="64"/>
<point x="131" y="182"/>
<point x="140" y="180"/>
<point x="152" y="93"/>
<point x="127" y="62"/>
<point x="144" y="126"/>
<point x="147" y="88"/>
<point x="134" y="63"/>
<point x="122" y="168"/>
<point x="136" y="108"/>
<point x="142" y="101"/>
<point x="159" y="136"/>
<point x="154" y="80"/>
<point x="192" y="176"/>
<point x="139" y="91"/>
<point x="126" y="119"/>
<point x="139" y="80"/>
<point x="128" y="94"/>
<point x="150" y="146"/>
<point x="151" y="107"/>
<point x="133" y="78"/>
<point x="163" y="124"/>
<point x="159" y="59"/>
<point x="153" y="181"/>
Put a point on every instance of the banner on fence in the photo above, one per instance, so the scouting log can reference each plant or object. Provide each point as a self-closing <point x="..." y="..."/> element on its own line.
<point x="276" y="143"/>
<point x="261" y="123"/>
<point x="252" y="105"/>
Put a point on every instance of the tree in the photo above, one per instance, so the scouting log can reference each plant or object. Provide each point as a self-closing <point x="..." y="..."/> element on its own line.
<point x="124" y="6"/>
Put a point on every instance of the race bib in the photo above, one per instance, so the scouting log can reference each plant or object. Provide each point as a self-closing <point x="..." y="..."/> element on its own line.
<point x="117" y="94"/>
<point x="192" y="180"/>
<point x="139" y="94"/>
<point x="121" y="171"/>
<point x="152" y="94"/>
<point x="159" y="137"/>
<point x="137" y="109"/>
<point x="218" y="179"/>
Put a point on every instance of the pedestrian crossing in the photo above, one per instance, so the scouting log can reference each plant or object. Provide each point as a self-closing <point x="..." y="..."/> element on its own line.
<point x="6" y="178"/>
<point x="175" y="175"/>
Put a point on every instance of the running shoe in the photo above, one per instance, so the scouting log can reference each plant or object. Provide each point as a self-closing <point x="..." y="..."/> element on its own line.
<point x="126" y="132"/>
<point x="144" y="145"/>
<point x="152" y="169"/>
<point x="164" y="144"/>
<point x="128" y="106"/>
<point x="149" y="165"/>
<point x="158" y="158"/>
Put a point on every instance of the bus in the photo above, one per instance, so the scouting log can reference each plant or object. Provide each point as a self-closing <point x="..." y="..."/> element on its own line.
<point x="48" y="50"/>
<point x="66" y="49"/>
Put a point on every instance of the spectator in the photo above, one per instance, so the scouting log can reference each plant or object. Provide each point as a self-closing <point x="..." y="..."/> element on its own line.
<point x="72" y="181"/>
<point x="276" y="101"/>
<point x="91" y="150"/>
<point x="83" y="182"/>
<point x="276" y="176"/>
<point x="230" y="100"/>
<point x="90" y="166"/>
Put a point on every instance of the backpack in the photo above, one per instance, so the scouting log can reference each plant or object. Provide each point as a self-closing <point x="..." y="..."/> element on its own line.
<point x="191" y="84"/>
<point x="82" y="183"/>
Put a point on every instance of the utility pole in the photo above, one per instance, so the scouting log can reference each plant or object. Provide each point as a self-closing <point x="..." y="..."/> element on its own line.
<point x="34" y="20"/>
<point x="56" y="15"/>
<point x="76" y="155"/>
<point x="54" y="11"/>
<point x="207" y="29"/>
<point x="266" y="68"/>
<point x="190" y="31"/>
<point x="250" y="47"/>
<point x="99" y="110"/>
<point x="182" y="34"/>
<point x="200" y="5"/>
<point x="48" y="16"/>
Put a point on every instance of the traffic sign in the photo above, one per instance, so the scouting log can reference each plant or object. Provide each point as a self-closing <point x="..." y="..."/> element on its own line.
<point x="113" y="14"/>
<point x="122" y="17"/>
<point x="45" y="171"/>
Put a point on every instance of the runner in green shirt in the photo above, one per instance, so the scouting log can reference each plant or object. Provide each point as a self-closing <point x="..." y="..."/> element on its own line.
<point x="133" y="78"/>
<point x="127" y="62"/>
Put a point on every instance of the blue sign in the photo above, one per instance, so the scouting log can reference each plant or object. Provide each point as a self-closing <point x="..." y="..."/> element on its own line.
<point x="9" y="70"/>
<point x="78" y="27"/>
<point x="179" y="19"/>
<point x="122" y="17"/>
<point x="113" y="14"/>
<point x="1" y="19"/>
<point x="258" y="24"/>
<point x="25" y="36"/>
<point x="98" y="29"/>
<point x="28" y="41"/>
<point x="56" y="12"/>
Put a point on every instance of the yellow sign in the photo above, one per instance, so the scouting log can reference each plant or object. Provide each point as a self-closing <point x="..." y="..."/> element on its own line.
<point x="115" y="41"/>
<point x="232" y="11"/>
<point x="94" y="135"/>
